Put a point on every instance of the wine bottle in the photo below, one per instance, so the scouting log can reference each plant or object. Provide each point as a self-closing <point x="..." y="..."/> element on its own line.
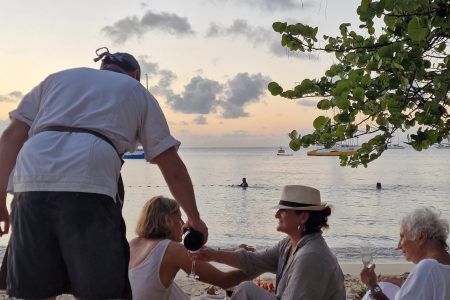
<point x="192" y="239"/>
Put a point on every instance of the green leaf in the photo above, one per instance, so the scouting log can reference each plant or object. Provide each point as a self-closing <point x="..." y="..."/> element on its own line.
<point x="390" y="21"/>
<point x="319" y="122"/>
<point x="416" y="31"/>
<point x="441" y="47"/>
<point x="389" y="5"/>
<point x="293" y="134"/>
<point x="358" y="93"/>
<point x="324" y="104"/>
<point x="279" y="26"/>
<point x="342" y="102"/>
<point x="295" y="144"/>
<point x="274" y="88"/>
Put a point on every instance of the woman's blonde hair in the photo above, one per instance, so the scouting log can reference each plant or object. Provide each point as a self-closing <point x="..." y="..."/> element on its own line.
<point x="154" y="220"/>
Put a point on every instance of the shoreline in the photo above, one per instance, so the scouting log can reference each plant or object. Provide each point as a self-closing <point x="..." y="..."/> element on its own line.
<point x="351" y="272"/>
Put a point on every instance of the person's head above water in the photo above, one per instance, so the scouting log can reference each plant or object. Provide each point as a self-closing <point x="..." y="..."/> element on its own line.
<point x="119" y="61"/>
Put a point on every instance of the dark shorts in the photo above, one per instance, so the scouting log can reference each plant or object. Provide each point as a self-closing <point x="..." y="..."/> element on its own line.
<point x="67" y="242"/>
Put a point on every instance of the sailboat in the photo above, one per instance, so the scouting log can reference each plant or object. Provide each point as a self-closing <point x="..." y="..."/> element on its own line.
<point x="395" y="146"/>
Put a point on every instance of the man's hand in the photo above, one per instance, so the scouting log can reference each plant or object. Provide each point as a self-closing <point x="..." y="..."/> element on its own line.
<point x="198" y="225"/>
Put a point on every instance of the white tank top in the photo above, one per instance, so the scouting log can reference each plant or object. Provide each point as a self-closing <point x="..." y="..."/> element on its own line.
<point x="145" y="281"/>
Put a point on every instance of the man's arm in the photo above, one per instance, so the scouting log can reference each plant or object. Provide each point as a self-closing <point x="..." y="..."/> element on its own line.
<point x="11" y="142"/>
<point x="180" y="185"/>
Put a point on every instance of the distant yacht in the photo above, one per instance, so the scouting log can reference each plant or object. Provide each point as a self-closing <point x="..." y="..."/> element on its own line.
<point x="336" y="150"/>
<point x="395" y="145"/>
<point x="348" y="148"/>
<point x="138" y="154"/>
<point x="282" y="152"/>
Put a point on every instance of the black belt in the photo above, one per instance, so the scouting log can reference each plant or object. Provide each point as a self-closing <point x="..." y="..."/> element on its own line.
<point x="120" y="187"/>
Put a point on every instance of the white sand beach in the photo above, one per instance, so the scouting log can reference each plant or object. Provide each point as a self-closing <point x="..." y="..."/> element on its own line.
<point x="351" y="271"/>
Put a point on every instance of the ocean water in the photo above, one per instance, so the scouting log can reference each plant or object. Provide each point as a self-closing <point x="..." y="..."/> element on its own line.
<point x="361" y="212"/>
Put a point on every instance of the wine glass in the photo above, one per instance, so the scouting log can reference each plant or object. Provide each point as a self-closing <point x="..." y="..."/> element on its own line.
<point x="366" y="254"/>
<point x="192" y="276"/>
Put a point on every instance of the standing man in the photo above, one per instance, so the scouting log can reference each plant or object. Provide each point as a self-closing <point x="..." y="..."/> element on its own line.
<point x="65" y="140"/>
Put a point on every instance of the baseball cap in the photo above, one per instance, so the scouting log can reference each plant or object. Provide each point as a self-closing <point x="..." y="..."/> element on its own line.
<point x="122" y="59"/>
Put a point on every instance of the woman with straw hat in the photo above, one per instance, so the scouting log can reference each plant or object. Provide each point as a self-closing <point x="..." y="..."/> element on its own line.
<point x="304" y="265"/>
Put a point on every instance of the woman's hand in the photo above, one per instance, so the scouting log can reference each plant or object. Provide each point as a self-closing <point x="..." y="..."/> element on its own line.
<point x="247" y="247"/>
<point x="368" y="276"/>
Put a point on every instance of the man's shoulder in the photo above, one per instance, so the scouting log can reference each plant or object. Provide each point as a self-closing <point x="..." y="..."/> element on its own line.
<point x="75" y="70"/>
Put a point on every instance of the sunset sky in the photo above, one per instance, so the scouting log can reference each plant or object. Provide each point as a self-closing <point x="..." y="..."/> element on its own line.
<point x="208" y="62"/>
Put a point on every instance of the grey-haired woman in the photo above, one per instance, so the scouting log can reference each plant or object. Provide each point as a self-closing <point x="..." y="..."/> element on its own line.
<point x="423" y="241"/>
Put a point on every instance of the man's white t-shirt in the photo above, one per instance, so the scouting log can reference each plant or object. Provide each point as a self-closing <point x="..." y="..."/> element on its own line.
<point x="429" y="280"/>
<point x="110" y="103"/>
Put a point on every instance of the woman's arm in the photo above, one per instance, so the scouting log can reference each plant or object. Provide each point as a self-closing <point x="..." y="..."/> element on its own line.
<point x="177" y="256"/>
<point x="221" y="256"/>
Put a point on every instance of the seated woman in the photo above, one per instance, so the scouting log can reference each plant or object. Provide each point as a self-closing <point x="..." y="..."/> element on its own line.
<point x="156" y="255"/>
<point x="304" y="265"/>
<point x="423" y="241"/>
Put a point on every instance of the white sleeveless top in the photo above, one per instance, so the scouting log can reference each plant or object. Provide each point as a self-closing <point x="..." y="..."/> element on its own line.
<point x="145" y="281"/>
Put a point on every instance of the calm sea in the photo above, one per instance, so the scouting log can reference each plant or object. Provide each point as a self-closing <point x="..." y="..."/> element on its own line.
<point x="235" y="215"/>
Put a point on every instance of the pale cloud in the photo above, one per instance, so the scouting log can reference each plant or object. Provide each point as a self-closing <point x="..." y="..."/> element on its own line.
<point x="307" y="102"/>
<point x="199" y="97"/>
<point x="255" y="34"/>
<point x="268" y="5"/>
<point x="242" y="90"/>
<point x="131" y="26"/>
<point x="205" y="96"/>
<point x="200" y="120"/>
<point x="13" y="97"/>
<point x="280" y="51"/>
<point x="258" y="36"/>
<point x="160" y="79"/>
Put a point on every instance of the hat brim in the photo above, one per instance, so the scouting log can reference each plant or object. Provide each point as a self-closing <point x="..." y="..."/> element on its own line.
<point x="304" y="208"/>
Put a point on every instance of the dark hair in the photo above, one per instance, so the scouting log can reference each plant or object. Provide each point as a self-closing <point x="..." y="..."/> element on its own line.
<point x="316" y="221"/>
<point x="124" y="60"/>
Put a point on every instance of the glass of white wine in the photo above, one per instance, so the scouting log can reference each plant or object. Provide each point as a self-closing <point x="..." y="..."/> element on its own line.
<point x="366" y="254"/>
<point x="192" y="276"/>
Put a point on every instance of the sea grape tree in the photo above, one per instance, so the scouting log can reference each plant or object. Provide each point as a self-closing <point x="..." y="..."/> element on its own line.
<point x="388" y="77"/>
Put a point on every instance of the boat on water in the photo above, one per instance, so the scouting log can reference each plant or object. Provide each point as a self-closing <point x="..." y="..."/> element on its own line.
<point x="138" y="154"/>
<point x="395" y="146"/>
<point x="282" y="152"/>
<point x="336" y="150"/>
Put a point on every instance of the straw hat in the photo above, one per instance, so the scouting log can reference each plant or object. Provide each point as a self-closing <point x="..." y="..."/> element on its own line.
<point x="300" y="197"/>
